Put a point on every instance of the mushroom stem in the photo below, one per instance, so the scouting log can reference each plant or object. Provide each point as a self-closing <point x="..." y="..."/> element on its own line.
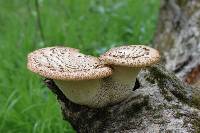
<point x="121" y="83"/>
<point x="125" y="75"/>
<point x="81" y="92"/>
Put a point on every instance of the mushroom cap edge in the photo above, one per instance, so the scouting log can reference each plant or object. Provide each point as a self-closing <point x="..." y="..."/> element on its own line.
<point x="100" y="71"/>
<point x="148" y="56"/>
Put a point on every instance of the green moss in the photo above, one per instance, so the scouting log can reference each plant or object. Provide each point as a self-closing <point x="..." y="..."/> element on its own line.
<point x="182" y="3"/>
<point x="137" y="104"/>
<point x="169" y="83"/>
<point x="168" y="96"/>
<point x="195" y="121"/>
<point x="178" y="115"/>
<point x="196" y="98"/>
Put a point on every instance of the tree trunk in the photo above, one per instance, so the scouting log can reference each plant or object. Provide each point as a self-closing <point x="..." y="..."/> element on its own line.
<point x="160" y="102"/>
<point x="178" y="38"/>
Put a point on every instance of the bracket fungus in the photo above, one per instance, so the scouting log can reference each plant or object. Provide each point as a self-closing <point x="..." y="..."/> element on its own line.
<point x="87" y="80"/>
<point x="127" y="61"/>
<point x="78" y="76"/>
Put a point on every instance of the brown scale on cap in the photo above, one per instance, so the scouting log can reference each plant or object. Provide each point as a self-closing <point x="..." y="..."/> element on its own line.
<point x="63" y="63"/>
<point x="132" y="56"/>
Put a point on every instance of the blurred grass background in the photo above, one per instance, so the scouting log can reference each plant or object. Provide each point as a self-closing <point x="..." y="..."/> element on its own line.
<point x="26" y="105"/>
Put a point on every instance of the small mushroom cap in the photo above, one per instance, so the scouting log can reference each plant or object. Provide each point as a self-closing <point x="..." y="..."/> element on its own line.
<point x="131" y="56"/>
<point x="63" y="63"/>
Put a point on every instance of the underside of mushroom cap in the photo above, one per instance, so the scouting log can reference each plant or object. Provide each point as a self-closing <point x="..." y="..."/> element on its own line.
<point x="131" y="56"/>
<point x="63" y="63"/>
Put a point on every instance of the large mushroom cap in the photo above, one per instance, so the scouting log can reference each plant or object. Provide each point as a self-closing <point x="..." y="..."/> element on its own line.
<point x="132" y="56"/>
<point x="63" y="63"/>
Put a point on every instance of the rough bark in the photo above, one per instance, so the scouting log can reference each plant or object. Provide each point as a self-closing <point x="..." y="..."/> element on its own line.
<point x="161" y="102"/>
<point x="178" y="38"/>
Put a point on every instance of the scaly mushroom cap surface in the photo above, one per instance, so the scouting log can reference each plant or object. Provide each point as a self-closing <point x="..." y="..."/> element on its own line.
<point x="63" y="63"/>
<point x="131" y="56"/>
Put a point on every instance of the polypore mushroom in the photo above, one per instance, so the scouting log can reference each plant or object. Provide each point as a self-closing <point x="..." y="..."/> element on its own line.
<point x="126" y="62"/>
<point x="78" y="76"/>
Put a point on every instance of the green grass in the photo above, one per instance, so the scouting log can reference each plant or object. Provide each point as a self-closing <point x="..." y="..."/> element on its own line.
<point x="26" y="105"/>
